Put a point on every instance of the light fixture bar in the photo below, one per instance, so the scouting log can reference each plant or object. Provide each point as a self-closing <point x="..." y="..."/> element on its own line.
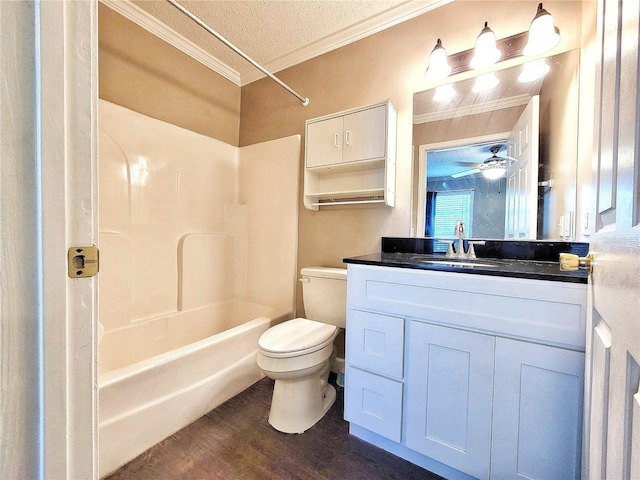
<point x="511" y="47"/>
<point x="304" y="100"/>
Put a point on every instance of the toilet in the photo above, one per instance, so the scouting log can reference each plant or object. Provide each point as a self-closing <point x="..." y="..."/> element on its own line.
<point x="298" y="353"/>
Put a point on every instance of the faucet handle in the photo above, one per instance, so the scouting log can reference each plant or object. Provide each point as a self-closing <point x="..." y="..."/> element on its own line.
<point x="471" y="253"/>
<point x="450" y="252"/>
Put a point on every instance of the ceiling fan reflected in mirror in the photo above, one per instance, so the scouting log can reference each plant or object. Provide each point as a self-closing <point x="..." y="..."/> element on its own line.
<point x="492" y="168"/>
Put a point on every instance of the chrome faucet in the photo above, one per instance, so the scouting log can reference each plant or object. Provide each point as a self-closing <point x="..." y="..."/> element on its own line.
<point x="459" y="231"/>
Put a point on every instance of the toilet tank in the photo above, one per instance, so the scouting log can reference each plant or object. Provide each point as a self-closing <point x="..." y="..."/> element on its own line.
<point x="324" y="293"/>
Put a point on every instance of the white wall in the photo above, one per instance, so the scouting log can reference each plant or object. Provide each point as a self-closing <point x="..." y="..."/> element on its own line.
<point x="186" y="222"/>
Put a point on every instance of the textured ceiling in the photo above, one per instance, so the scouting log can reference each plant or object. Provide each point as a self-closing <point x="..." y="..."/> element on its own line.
<point x="272" y="31"/>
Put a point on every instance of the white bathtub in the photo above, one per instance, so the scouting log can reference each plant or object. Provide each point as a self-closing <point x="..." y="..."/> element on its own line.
<point x="146" y="401"/>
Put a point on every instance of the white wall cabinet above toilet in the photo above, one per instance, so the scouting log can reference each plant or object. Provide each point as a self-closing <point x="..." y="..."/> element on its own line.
<point x="350" y="157"/>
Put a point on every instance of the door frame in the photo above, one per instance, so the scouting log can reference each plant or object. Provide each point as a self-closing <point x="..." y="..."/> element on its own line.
<point x="67" y="98"/>
<point x="423" y="150"/>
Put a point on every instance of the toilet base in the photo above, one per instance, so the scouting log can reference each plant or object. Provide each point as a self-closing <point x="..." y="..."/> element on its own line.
<point x="299" y="405"/>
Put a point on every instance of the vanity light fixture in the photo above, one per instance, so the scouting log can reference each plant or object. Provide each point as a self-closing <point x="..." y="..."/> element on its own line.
<point x="438" y="68"/>
<point x="485" y="82"/>
<point x="534" y="70"/>
<point x="486" y="53"/>
<point x="543" y="35"/>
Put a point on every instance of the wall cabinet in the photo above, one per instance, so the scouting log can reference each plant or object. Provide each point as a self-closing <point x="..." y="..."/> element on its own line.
<point x="468" y="372"/>
<point x="350" y="157"/>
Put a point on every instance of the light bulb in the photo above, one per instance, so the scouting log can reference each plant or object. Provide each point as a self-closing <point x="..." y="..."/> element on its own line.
<point x="534" y="70"/>
<point x="486" y="81"/>
<point x="486" y="53"/>
<point x="543" y="35"/>
<point x="439" y="68"/>
<point x="444" y="93"/>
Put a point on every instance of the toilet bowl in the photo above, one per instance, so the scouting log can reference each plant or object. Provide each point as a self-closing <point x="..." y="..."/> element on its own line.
<point x="298" y="353"/>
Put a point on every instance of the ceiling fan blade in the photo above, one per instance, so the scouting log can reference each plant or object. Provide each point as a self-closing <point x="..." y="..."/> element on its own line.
<point x="465" y="173"/>
<point x="467" y="164"/>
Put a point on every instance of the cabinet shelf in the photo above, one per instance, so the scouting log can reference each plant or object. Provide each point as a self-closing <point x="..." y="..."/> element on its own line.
<point x="347" y="194"/>
<point x="350" y="157"/>
<point x="355" y="166"/>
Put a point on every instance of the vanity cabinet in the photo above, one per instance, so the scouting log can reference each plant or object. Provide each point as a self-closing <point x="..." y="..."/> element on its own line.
<point x="350" y="157"/>
<point x="489" y="373"/>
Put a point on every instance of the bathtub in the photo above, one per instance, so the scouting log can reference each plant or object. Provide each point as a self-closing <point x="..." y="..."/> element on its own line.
<point x="145" y="396"/>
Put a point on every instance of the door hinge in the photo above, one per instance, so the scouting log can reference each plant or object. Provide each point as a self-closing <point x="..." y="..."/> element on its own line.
<point x="83" y="261"/>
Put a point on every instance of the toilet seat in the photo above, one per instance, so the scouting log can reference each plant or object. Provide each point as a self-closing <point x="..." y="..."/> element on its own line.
<point x="296" y="337"/>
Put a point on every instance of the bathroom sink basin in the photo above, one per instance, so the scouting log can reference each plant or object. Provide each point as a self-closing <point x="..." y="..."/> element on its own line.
<point x="459" y="264"/>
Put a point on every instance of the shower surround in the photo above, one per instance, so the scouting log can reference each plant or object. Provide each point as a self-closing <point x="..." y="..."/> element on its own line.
<point x="198" y="257"/>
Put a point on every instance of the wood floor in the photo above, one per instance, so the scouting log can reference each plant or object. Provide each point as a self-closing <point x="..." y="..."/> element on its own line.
<point x="235" y="441"/>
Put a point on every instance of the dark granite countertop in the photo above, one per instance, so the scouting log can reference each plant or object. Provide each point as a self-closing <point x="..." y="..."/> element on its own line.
<point x="535" y="260"/>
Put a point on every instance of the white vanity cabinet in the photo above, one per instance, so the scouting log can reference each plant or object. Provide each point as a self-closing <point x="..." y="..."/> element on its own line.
<point x="350" y="157"/>
<point x="490" y="373"/>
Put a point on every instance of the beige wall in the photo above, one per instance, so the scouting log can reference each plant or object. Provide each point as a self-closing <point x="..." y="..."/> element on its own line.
<point x="133" y="73"/>
<point x="390" y="64"/>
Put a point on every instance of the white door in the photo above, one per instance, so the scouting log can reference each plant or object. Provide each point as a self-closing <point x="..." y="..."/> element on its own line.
<point x="612" y="409"/>
<point x="67" y="106"/>
<point x="522" y="176"/>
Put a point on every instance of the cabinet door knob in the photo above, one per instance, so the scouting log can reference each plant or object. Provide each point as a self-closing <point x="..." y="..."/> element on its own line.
<point x="568" y="261"/>
<point x="346" y="137"/>
<point x="335" y="139"/>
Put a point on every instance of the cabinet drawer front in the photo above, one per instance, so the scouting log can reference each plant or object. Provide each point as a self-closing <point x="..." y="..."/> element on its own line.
<point x="375" y="342"/>
<point x="537" y="422"/>
<point x="374" y="403"/>
<point x="449" y="395"/>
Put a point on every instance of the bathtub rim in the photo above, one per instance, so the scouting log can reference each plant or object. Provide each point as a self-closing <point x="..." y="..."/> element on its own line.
<point x="107" y="379"/>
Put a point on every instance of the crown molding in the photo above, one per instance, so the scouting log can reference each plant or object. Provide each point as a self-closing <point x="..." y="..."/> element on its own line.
<point x="406" y="11"/>
<point x="141" y="18"/>
<point x="382" y="21"/>
<point x="484" y="107"/>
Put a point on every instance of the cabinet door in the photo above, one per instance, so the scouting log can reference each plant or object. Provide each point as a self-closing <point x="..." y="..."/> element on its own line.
<point x="324" y="142"/>
<point x="449" y="394"/>
<point x="365" y="134"/>
<point x="373" y="402"/>
<point x="537" y="417"/>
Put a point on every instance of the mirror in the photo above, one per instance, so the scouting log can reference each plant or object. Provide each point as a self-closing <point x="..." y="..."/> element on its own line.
<point x="457" y="141"/>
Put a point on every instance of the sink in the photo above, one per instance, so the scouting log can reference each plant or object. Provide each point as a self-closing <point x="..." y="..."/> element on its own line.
<point x="460" y="264"/>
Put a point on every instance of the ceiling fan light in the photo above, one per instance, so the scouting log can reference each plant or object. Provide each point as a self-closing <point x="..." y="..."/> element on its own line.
<point x="485" y="53"/>
<point x="444" y="93"/>
<point x="485" y="82"/>
<point x="534" y="70"/>
<point x="438" y="68"/>
<point x="493" y="173"/>
<point x="543" y="35"/>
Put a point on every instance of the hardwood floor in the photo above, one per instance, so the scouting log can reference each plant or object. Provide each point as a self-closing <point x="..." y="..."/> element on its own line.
<point x="235" y="441"/>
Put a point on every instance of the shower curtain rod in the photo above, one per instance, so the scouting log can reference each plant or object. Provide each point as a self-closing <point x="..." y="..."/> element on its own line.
<point x="304" y="100"/>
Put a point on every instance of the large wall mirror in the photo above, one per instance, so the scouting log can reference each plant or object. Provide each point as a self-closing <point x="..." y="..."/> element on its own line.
<point x="525" y="132"/>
